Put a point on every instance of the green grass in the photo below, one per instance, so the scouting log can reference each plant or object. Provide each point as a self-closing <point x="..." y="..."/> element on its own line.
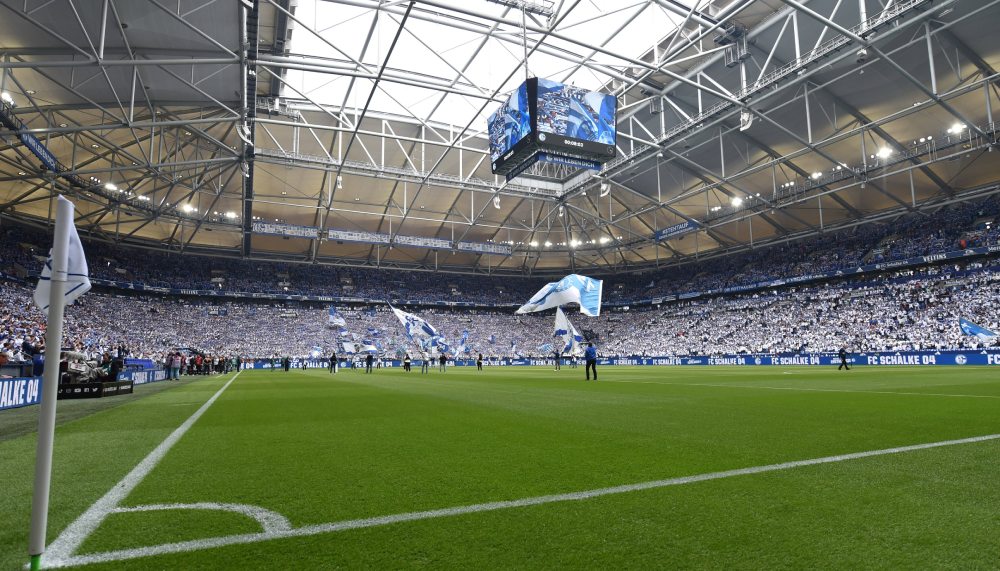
<point x="318" y="448"/>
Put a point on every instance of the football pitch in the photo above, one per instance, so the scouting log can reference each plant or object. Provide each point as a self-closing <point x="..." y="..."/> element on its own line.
<point x="650" y="467"/>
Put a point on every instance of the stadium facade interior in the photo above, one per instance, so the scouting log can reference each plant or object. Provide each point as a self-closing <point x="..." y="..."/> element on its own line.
<point x="261" y="183"/>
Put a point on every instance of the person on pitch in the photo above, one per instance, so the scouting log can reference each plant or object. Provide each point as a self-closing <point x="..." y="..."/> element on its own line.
<point x="443" y="361"/>
<point x="406" y="363"/>
<point x="479" y="362"/>
<point x="590" y="356"/>
<point x="425" y="361"/>
<point x="843" y="359"/>
<point x="368" y="363"/>
<point x="557" y="357"/>
<point x="333" y="362"/>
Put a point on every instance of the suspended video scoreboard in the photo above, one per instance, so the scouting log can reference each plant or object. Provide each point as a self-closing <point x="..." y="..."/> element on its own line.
<point x="377" y="238"/>
<point x="544" y="120"/>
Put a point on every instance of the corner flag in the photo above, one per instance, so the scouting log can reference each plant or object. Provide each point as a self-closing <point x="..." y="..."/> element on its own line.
<point x="63" y="279"/>
<point x="77" y="281"/>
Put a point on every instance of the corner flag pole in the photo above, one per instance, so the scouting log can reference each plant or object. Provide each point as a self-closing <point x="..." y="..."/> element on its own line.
<point x="50" y="383"/>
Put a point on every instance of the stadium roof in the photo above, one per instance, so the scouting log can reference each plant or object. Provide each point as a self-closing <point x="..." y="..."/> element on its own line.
<point x="754" y="120"/>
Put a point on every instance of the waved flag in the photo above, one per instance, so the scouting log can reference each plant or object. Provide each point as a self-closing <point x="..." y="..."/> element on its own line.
<point x="571" y="338"/>
<point x="336" y="319"/>
<point x="419" y="331"/>
<point x="970" y="328"/>
<point x="463" y="345"/>
<point x="545" y="348"/>
<point x="573" y="288"/>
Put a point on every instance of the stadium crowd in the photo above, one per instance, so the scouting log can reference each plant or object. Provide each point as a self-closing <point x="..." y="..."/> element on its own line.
<point x="953" y="227"/>
<point x="906" y="310"/>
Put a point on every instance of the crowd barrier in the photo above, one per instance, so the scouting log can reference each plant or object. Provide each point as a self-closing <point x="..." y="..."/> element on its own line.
<point x="139" y="364"/>
<point x="24" y="391"/>
<point x="911" y="358"/>
<point x="143" y="377"/>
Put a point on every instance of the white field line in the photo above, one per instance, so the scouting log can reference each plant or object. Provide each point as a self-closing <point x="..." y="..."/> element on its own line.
<point x="268" y="520"/>
<point x="725" y="386"/>
<point x="73" y="536"/>
<point x="200" y="544"/>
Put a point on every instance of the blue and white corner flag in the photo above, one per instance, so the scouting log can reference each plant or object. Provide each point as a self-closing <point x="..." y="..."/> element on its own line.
<point x="970" y="328"/>
<point x="336" y="319"/>
<point x="77" y="280"/>
<point x="573" y="288"/>
<point x="571" y="338"/>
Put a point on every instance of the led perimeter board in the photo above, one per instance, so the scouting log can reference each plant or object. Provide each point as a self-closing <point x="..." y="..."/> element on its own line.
<point x="544" y="118"/>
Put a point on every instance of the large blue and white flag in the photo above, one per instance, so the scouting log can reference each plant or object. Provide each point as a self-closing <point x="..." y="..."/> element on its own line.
<point x="348" y="347"/>
<point x="573" y="288"/>
<point x="336" y="319"/>
<point x="970" y="328"/>
<point x="417" y="328"/>
<point x="316" y="352"/>
<point x="77" y="280"/>
<point x="571" y="338"/>
<point x="344" y="332"/>
<point x="545" y="348"/>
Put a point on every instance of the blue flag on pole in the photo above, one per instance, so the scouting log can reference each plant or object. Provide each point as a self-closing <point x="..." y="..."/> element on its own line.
<point x="574" y="288"/>
<point x="970" y="328"/>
